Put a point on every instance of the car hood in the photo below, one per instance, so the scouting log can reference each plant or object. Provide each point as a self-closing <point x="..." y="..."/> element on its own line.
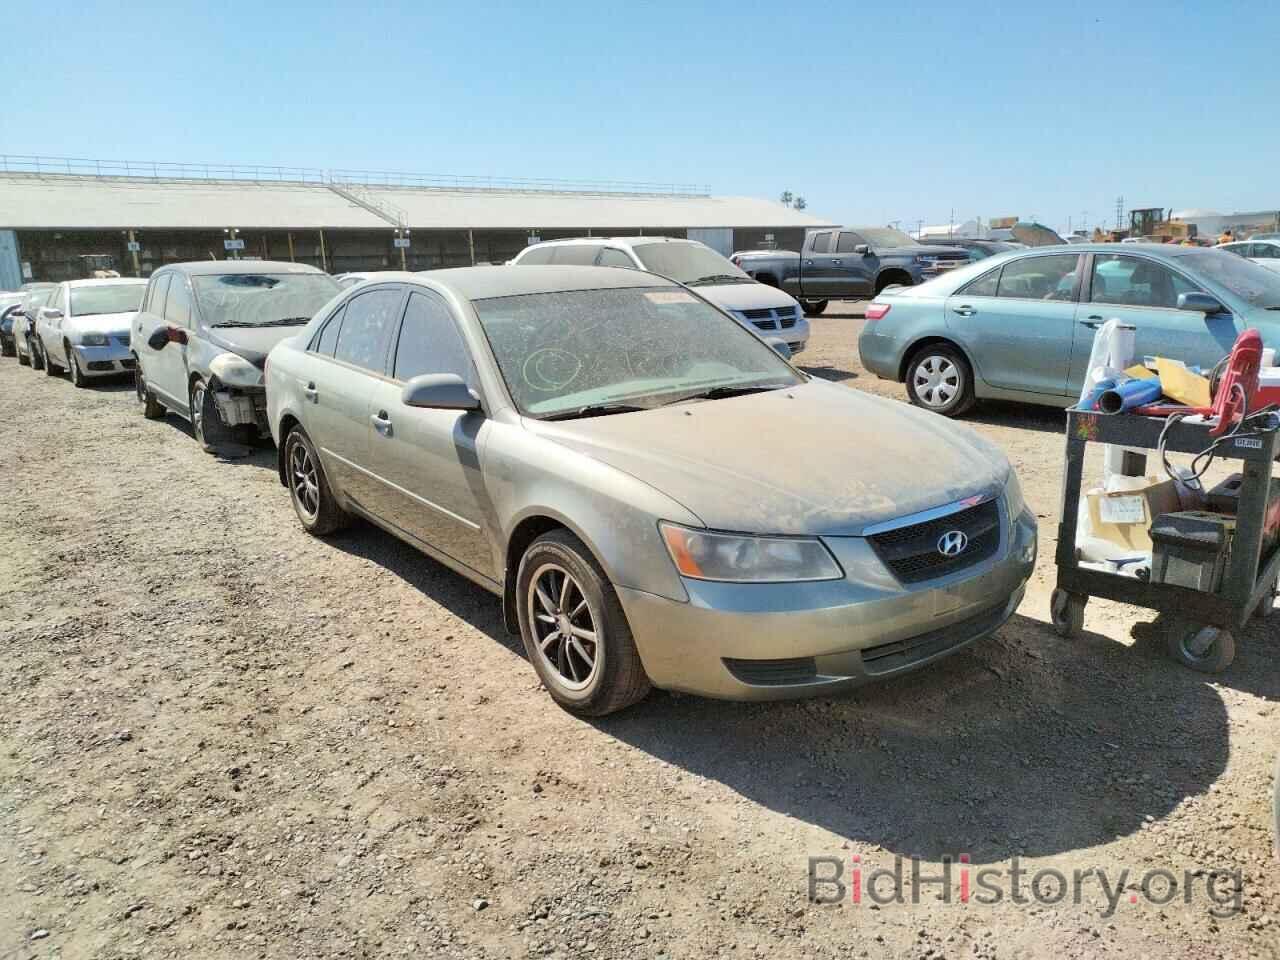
<point x="928" y="250"/>
<point x="252" y="343"/>
<point x="744" y="296"/>
<point x="100" y="323"/>
<point x="817" y="459"/>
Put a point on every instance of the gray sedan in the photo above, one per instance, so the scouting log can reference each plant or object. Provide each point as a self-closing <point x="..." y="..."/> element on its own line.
<point x="657" y="497"/>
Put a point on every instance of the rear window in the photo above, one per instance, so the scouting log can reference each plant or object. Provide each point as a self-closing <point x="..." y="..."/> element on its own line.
<point x="108" y="298"/>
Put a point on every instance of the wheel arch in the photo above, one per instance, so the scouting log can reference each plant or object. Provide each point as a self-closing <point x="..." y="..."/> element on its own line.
<point x="893" y="275"/>
<point x="931" y="341"/>
<point x="287" y="425"/>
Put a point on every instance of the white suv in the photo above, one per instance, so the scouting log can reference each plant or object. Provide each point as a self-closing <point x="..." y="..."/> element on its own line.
<point x="767" y="310"/>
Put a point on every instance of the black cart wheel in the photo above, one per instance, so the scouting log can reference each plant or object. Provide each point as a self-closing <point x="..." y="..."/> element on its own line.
<point x="1067" y="612"/>
<point x="1200" y="646"/>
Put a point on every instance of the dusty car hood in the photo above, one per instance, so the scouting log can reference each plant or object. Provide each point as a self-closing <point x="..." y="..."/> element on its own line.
<point x="815" y="459"/>
<point x="744" y="296"/>
<point x="252" y="343"/>
<point x="100" y="323"/>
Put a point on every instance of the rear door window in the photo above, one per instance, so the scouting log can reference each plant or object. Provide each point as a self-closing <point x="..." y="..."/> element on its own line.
<point x="985" y="286"/>
<point x="822" y="243"/>
<point x="366" y="328"/>
<point x="577" y="254"/>
<point x="537" y="255"/>
<point x="1040" y="278"/>
<point x="328" y="338"/>
<point x="159" y="289"/>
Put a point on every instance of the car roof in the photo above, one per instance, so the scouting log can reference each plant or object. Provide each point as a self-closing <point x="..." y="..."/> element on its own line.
<point x="105" y="282"/>
<point x="595" y="241"/>
<point x="482" y="283"/>
<point x="204" y="268"/>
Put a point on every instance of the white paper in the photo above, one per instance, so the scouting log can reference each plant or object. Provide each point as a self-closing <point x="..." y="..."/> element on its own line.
<point x="1123" y="509"/>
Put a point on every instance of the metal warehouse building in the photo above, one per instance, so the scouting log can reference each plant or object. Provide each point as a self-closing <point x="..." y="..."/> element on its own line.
<point x="59" y="219"/>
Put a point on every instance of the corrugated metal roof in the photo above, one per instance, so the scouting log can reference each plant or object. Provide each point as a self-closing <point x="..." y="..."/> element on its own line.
<point x="36" y="202"/>
<point x="33" y="202"/>
<point x="519" y="210"/>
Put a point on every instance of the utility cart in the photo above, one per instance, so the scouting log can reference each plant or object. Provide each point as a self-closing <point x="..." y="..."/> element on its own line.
<point x="1199" y="625"/>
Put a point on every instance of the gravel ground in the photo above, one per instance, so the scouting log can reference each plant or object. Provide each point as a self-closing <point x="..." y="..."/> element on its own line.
<point x="224" y="738"/>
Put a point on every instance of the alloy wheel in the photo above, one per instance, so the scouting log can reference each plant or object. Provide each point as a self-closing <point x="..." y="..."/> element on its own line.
<point x="564" y="627"/>
<point x="937" y="381"/>
<point x="197" y="412"/>
<point x="304" y="480"/>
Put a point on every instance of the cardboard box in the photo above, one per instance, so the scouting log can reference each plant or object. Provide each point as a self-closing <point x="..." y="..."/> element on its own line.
<point x="1124" y="516"/>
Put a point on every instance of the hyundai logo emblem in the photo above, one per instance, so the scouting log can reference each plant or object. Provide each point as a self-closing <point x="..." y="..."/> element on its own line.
<point x="952" y="543"/>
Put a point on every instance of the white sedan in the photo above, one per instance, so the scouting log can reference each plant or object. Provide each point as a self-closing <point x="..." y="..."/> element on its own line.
<point x="84" y="328"/>
<point x="1265" y="253"/>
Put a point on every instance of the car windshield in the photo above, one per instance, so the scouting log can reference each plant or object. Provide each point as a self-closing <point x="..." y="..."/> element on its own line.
<point x="107" y="298"/>
<point x="262" y="299"/>
<point x="1256" y="285"/>
<point x="638" y="346"/>
<point x="688" y="263"/>
<point x="882" y="237"/>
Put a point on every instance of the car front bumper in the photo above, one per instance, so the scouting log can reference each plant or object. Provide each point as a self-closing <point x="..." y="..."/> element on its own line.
<point x="777" y="641"/>
<point x="114" y="358"/>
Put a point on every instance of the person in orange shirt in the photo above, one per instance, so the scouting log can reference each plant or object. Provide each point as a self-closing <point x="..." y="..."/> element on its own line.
<point x="1226" y="237"/>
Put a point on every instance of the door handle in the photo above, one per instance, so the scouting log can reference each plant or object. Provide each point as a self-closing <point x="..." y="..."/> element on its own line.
<point x="835" y="263"/>
<point x="808" y="263"/>
<point x="311" y="393"/>
<point x="1093" y="323"/>
<point x="381" y="422"/>
<point x="964" y="310"/>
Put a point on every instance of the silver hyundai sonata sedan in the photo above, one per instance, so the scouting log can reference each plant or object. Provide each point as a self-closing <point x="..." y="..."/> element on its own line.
<point x="657" y="496"/>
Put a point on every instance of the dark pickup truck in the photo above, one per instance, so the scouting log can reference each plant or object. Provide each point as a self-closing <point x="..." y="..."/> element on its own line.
<point x="850" y="263"/>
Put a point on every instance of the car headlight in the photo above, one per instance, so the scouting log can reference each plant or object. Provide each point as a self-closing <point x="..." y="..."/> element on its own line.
<point x="235" y="371"/>
<point x="703" y="555"/>
<point x="93" y="339"/>
<point x="1013" y="495"/>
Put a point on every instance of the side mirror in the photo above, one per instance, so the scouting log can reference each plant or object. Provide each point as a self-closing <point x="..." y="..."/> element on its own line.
<point x="18" y="313"/>
<point x="162" y="335"/>
<point x="52" y="313"/>
<point x="1200" y="302"/>
<point x="439" y="391"/>
<point x="862" y="249"/>
<point x="780" y="347"/>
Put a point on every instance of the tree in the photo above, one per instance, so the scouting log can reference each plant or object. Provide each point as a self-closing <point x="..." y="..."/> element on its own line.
<point x="799" y="204"/>
<point x="786" y="198"/>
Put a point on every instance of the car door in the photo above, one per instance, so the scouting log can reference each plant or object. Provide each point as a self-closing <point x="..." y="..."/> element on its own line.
<point x="428" y="461"/>
<point x="853" y="274"/>
<point x="1144" y="292"/>
<point x="1017" y="322"/>
<point x="171" y="369"/>
<point x="149" y="319"/>
<point x="49" y="325"/>
<point x="813" y="282"/>
<point x="346" y="359"/>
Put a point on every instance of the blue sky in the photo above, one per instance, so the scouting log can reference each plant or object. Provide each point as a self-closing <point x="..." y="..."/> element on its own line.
<point x="874" y="112"/>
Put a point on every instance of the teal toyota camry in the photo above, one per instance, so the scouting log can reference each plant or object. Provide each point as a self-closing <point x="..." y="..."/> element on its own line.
<point x="1020" y="326"/>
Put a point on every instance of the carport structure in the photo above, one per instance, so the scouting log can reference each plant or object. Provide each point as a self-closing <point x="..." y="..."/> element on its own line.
<point x="61" y="217"/>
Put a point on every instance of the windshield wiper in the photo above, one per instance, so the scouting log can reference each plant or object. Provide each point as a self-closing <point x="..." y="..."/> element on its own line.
<point x="719" y="277"/>
<point x="726" y="391"/>
<point x="233" y="323"/>
<point x="594" y="410"/>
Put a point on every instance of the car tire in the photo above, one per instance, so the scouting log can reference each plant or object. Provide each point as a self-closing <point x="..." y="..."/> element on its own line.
<point x="813" y="308"/>
<point x="939" y="379"/>
<point x="24" y="360"/>
<point x="78" y="379"/>
<point x="313" y="501"/>
<point x="152" y="408"/>
<point x="50" y="369"/>
<point x="560" y="584"/>
<point x="204" y="416"/>
<point x="1203" y="648"/>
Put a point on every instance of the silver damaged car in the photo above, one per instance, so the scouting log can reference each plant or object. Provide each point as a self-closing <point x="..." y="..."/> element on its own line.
<point x="658" y="498"/>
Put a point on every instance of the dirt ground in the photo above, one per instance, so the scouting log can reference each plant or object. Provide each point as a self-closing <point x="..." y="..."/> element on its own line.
<point x="221" y="737"/>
